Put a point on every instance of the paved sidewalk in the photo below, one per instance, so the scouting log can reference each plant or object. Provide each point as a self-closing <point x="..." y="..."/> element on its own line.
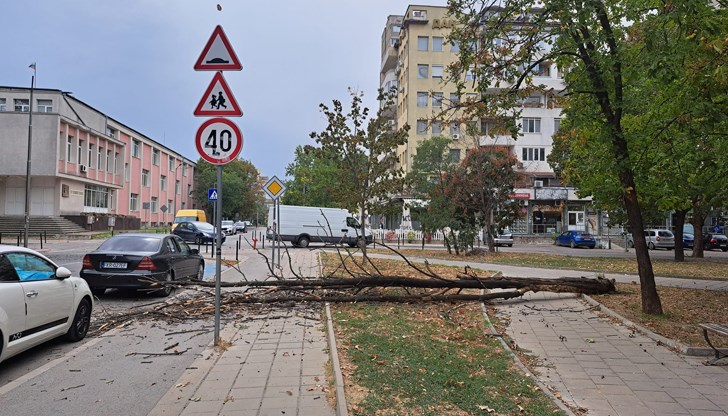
<point x="271" y="364"/>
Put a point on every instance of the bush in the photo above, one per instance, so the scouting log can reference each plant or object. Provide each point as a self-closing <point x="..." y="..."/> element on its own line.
<point x="390" y="236"/>
<point x="411" y="236"/>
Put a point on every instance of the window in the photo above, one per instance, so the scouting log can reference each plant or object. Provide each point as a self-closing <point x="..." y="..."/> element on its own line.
<point x="437" y="99"/>
<point x="533" y="154"/>
<point x="557" y="124"/>
<point x="437" y="43"/>
<point x="45" y="106"/>
<point x="472" y="97"/>
<point x="393" y="41"/>
<point x="69" y="148"/>
<point x="127" y="173"/>
<point x="184" y="169"/>
<point x="532" y="101"/>
<point x="484" y="127"/>
<point x="163" y="183"/>
<point x="29" y="267"/>
<point x="422" y="43"/>
<point x="134" y="202"/>
<point x="136" y="148"/>
<point x="155" y="204"/>
<point x="22" y="105"/>
<point x="396" y="28"/>
<point x="116" y="162"/>
<point x="155" y="157"/>
<point x="532" y="125"/>
<point x="3" y="105"/>
<point x="99" y="159"/>
<point x="145" y="177"/>
<point x="470" y="74"/>
<point x="421" y="99"/>
<point x="170" y="165"/>
<point x="110" y="131"/>
<point x="454" y="46"/>
<point x="95" y="196"/>
<point x="436" y="128"/>
<point x="421" y="126"/>
<point x="454" y="128"/>
<point x="90" y="157"/>
<point x="455" y="155"/>
<point x="454" y="99"/>
<point x="422" y="71"/>
<point x="437" y="71"/>
<point x="177" y="188"/>
<point x="108" y="161"/>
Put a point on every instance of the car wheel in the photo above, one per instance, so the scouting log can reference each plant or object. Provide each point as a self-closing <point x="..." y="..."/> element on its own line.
<point x="81" y="322"/>
<point x="200" y="271"/>
<point x="198" y="240"/>
<point x="724" y="249"/>
<point x="510" y="245"/>
<point x="303" y="241"/>
<point x="167" y="289"/>
<point x="572" y="244"/>
<point x="630" y="244"/>
<point x="651" y="245"/>
<point x="98" y="291"/>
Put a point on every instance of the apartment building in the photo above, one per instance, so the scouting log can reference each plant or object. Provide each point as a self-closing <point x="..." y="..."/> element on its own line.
<point x="85" y="163"/>
<point x="416" y="52"/>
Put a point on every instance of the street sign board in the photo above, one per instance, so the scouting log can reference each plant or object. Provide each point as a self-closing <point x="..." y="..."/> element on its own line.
<point x="212" y="194"/>
<point x="218" y="55"/>
<point x="218" y="100"/>
<point x="274" y="188"/>
<point x="219" y="141"/>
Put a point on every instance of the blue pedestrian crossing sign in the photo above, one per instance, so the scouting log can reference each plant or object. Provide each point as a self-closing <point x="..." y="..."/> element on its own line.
<point x="212" y="194"/>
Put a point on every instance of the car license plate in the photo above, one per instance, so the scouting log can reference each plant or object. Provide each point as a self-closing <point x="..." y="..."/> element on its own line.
<point x="114" y="265"/>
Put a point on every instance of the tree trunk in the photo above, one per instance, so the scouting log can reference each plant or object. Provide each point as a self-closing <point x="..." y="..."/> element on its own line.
<point x="698" y="221"/>
<point x="679" y="225"/>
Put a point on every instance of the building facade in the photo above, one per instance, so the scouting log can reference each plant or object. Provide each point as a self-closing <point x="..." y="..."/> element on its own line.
<point x="419" y="41"/>
<point x="85" y="163"/>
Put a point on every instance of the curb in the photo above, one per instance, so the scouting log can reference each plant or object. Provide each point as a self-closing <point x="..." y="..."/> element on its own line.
<point x="558" y="402"/>
<point x="682" y="348"/>
<point x="341" y="408"/>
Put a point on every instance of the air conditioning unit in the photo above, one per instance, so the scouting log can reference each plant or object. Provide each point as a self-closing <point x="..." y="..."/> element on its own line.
<point x="538" y="184"/>
<point x="455" y="136"/>
<point x="419" y="14"/>
<point x="83" y="168"/>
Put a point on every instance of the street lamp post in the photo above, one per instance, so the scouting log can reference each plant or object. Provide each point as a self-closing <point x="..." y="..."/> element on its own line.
<point x="27" y="171"/>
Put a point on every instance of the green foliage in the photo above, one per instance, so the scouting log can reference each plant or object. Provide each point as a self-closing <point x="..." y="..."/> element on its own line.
<point x="242" y="195"/>
<point x="363" y="153"/>
<point x="315" y="180"/>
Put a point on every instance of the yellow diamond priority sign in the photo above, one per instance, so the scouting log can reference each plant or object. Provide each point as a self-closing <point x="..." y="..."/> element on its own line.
<point x="274" y="188"/>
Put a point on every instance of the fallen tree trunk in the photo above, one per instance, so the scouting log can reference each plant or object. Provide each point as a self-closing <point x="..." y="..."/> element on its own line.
<point x="562" y="284"/>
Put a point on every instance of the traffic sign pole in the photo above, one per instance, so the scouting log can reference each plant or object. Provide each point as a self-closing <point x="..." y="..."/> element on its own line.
<point x="218" y="253"/>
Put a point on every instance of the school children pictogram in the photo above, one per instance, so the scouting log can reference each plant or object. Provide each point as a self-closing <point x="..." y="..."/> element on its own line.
<point x="218" y="100"/>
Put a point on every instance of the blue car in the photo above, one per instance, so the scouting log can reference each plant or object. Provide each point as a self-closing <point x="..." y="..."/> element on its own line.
<point x="688" y="241"/>
<point x="576" y="239"/>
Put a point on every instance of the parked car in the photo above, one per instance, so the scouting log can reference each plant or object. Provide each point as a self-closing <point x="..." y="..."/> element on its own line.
<point x="227" y="227"/>
<point x="688" y="240"/>
<point x="197" y="232"/>
<point x="656" y="238"/>
<point x="503" y="240"/>
<point x="135" y="261"/>
<point x="39" y="301"/>
<point x="715" y="241"/>
<point x="576" y="239"/>
<point x="240" y="227"/>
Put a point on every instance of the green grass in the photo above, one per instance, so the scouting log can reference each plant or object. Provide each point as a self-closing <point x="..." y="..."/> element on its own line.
<point x="416" y="361"/>
<point x="155" y="230"/>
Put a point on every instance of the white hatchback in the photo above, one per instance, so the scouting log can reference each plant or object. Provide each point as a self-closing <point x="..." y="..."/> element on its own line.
<point x="39" y="301"/>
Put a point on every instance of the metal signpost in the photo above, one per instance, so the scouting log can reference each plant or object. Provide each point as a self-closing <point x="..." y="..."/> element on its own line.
<point x="218" y="140"/>
<point x="274" y="188"/>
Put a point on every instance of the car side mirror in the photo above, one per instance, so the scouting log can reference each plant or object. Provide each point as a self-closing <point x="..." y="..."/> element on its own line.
<point x="194" y="251"/>
<point x="62" y="273"/>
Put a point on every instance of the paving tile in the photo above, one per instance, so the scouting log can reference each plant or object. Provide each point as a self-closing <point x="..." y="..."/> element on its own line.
<point x="697" y="404"/>
<point x="246" y="382"/>
<point x="278" y="402"/>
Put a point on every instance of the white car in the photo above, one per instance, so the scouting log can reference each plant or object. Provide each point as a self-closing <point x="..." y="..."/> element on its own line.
<point x="227" y="227"/>
<point x="503" y="240"/>
<point x="39" y="301"/>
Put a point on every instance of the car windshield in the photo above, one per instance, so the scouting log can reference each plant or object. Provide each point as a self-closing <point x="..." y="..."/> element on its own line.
<point x="204" y="226"/>
<point x="224" y="223"/>
<point x="131" y="243"/>
<point x="178" y="220"/>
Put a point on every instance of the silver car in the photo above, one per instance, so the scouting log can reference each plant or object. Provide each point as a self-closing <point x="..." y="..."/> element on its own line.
<point x="656" y="238"/>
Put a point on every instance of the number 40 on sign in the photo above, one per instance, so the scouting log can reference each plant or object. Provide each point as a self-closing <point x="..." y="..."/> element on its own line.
<point x="219" y="141"/>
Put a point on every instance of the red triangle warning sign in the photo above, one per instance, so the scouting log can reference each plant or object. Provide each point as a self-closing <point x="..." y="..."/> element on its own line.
<point x="218" y="55"/>
<point x="218" y="100"/>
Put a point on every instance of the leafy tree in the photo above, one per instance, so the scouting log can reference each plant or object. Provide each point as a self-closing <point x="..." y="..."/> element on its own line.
<point x="242" y="194"/>
<point x="315" y="179"/>
<point x="481" y="188"/>
<point x="505" y="42"/>
<point x="363" y="150"/>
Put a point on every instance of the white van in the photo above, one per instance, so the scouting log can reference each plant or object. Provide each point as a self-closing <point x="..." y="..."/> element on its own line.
<point x="303" y="225"/>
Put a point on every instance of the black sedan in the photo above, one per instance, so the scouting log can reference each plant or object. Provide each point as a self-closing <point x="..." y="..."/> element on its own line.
<point x="715" y="242"/>
<point x="197" y="232"/>
<point x="135" y="261"/>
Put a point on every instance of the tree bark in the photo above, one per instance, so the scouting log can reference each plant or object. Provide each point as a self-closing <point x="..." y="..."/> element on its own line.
<point x="679" y="225"/>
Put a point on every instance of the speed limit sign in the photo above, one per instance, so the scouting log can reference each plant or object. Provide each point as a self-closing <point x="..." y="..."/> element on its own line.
<point x="219" y="141"/>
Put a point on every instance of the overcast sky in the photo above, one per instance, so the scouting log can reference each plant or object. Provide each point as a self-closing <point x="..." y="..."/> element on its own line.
<point x="133" y="61"/>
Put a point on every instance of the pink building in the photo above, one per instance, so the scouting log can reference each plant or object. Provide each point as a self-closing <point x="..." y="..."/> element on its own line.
<point x="86" y="164"/>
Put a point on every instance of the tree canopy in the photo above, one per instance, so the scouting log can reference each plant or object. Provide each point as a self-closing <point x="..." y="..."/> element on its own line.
<point x="242" y="194"/>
